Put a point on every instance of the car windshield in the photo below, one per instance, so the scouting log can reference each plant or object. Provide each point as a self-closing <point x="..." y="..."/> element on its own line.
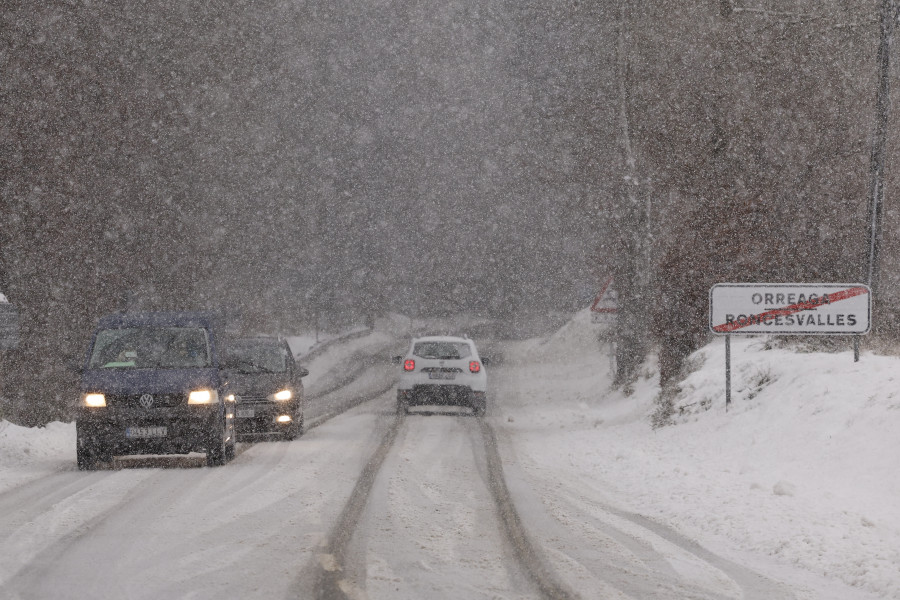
<point x="255" y="357"/>
<point x="443" y="350"/>
<point x="150" y="347"/>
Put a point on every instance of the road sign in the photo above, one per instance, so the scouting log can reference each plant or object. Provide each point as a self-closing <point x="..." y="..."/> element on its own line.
<point x="790" y="308"/>
<point x="606" y="304"/>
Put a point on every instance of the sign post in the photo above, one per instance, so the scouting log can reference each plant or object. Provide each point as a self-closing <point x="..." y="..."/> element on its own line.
<point x="788" y="309"/>
<point x="604" y="310"/>
<point x="727" y="372"/>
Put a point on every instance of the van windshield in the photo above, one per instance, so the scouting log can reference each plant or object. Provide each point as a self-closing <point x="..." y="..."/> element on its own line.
<point x="150" y="348"/>
<point x="247" y="356"/>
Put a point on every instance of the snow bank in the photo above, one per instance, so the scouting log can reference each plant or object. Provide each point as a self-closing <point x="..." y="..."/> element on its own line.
<point x="573" y="341"/>
<point x="28" y="453"/>
<point x="800" y="472"/>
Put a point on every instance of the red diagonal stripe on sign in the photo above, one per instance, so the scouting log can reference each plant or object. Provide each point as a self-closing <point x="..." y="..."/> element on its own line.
<point x="791" y="310"/>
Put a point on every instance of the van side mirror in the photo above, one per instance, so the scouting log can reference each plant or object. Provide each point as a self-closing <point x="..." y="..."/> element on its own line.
<point x="302" y="371"/>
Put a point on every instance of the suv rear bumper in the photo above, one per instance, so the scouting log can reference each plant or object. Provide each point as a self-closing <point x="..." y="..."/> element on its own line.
<point x="442" y="395"/>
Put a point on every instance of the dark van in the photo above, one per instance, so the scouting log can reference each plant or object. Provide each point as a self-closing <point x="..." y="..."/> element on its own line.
<point x="152" y="385"/>
<point x="266" y="385"/>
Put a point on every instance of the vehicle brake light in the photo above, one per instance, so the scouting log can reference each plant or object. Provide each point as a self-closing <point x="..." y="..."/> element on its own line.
<point x="409" y="365"/>
<point x="474" y="366"/>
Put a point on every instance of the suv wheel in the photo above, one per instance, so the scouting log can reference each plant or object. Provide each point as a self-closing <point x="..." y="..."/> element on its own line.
<point x="479" y="404"/>
<point x="229" y="448"/>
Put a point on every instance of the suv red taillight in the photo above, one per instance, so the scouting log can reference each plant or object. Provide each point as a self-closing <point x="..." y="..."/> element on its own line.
<point x="409" y="365"/>
<point x="474" y="366"/>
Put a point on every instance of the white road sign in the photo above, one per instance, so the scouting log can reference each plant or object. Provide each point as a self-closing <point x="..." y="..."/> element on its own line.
<point x="790" y="308"/>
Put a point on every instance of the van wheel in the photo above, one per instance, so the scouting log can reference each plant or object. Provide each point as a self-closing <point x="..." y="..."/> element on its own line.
<point x="217" y="453"/>
<point x="86" y="456"/>
<point x="87" y="451"/>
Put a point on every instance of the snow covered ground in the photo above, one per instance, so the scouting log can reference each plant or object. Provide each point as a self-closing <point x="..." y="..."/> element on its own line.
<point x="798" y="481"/>
<point x="30" y="453"/>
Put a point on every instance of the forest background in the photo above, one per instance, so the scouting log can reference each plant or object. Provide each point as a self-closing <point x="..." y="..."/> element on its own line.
<point x="315" y="165"/>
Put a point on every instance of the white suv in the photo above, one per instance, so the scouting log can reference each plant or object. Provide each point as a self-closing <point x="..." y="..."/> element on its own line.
<point x="442" y="370"/>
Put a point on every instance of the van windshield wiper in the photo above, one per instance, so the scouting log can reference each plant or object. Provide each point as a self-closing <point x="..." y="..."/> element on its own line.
<point x="242" y="366"/>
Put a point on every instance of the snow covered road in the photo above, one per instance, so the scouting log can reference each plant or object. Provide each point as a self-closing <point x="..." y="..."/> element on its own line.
<point x="431" y="528"/>
<point x="607" y="510"/>
<point x="245" y="530"/>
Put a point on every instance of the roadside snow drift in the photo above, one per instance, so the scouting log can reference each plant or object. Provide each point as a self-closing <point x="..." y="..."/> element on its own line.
<point x="802" y="471"/>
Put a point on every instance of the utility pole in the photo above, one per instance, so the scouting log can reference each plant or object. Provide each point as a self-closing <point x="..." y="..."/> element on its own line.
<point x="633" y="269"/>
<point x="882" y="112"/>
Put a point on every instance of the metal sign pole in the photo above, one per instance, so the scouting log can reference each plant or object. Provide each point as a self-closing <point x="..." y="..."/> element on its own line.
<point x="727" y="371"/>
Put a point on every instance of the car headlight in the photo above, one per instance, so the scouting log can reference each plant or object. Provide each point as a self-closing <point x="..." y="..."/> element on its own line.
<point x="282" y="395"/>
<point x="203" y="397"/>
<point x="93" y="400"/>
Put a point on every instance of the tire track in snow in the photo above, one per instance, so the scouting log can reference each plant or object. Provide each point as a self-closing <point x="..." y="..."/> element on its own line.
<point x="526" y="551"/>
<point x="332" y="567"/>
<point x="330" y="582"/>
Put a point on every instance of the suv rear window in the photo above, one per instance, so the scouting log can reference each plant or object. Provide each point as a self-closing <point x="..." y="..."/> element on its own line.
<point x="442" y="350"/>
<point x="150" y="348"/>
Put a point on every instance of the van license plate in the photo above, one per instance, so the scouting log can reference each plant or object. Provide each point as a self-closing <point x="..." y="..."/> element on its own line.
<point x="246" y="413"/>
<point x="146" y="432"/>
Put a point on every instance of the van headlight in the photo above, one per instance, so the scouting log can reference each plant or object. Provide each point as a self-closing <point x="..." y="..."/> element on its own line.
<point x="282" y="396"/>
<point x="93" y="400"/>
<point x="203" y="397"/>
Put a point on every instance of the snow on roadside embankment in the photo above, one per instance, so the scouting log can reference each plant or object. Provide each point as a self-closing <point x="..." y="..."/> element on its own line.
<point x="799" y="480"/>
<point x="28" y="453"/>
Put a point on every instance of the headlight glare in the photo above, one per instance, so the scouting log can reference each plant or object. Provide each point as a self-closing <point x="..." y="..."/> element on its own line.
<point x="203" y="397"/>
<point x="94" y="400"/>
<point x="283" y="395"/>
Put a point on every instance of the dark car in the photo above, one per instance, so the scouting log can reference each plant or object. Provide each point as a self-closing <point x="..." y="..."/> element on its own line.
<point x="265" y="383"/>
<point x="152" y="385"/>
